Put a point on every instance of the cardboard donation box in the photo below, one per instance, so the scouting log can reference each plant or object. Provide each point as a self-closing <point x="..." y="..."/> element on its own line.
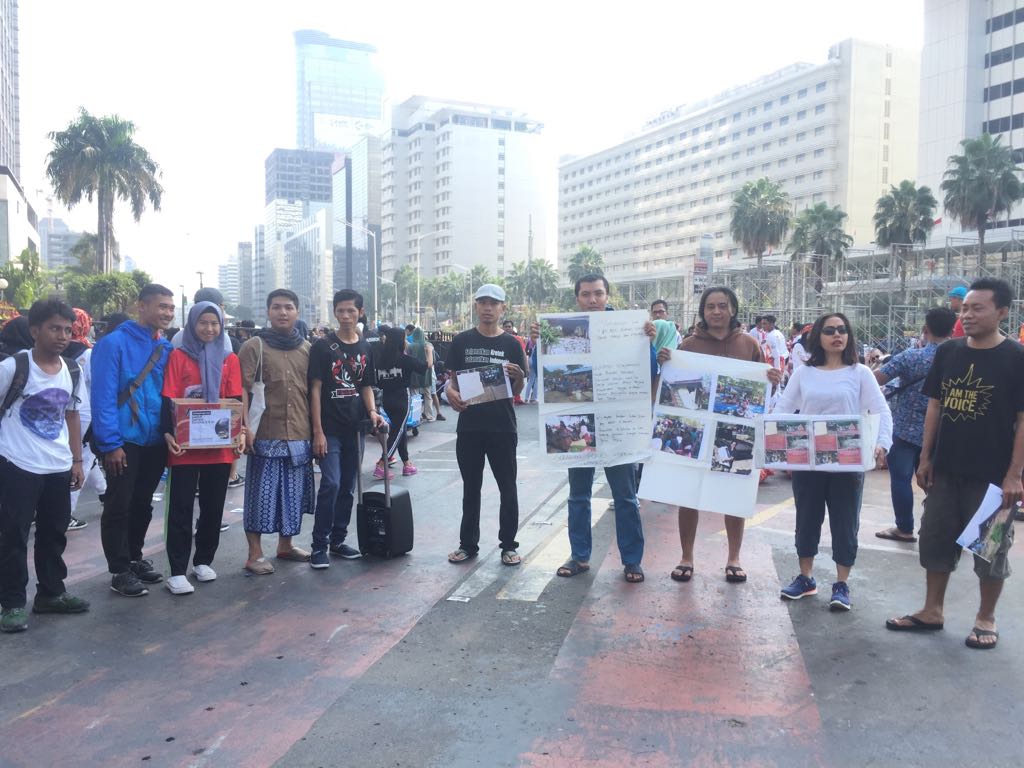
<point x="207" y="425"/>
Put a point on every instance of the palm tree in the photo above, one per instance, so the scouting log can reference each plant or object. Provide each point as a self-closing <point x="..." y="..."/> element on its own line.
<point x="761" y="217"/>
<point x="586" y="261"/>
<point x="818" y="231"/>
<point x="96" y="156"/>
<point x="405" y="283"/>
<point x="84" y="252"/>
<point x="516" y="282"/>
<point x="905" y="214"/>
<point x="479" y="275"/>
<point x="980" y="184"/>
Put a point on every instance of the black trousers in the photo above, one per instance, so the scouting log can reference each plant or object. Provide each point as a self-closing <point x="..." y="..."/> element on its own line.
<point x="212" y="482"/>
<point x="128" y="505"/>
<point x="22" y="495"/>
<point x="499" y="448"/>
<point x="397" y="406"/>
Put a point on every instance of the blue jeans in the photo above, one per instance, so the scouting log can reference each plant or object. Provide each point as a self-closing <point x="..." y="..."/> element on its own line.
<point x="903" y="461"/>
<point x="841" y="493"/>
<point x="628" y="530"/>
<point x="337" y="484"/>
<point x="531" y="386"/>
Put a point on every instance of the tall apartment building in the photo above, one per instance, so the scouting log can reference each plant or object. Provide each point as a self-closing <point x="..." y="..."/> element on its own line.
<point x="229" y="279"/>
<point x="339" y="92"/>
<point x="10" y="120"/>
<point x="260" y="285"/>
<point x="839" y="133"/>
<point x="243" y="256"/>
<point x="56" y="240"/>
<point x="969" y="86"/>
<point x="463" y="184"/>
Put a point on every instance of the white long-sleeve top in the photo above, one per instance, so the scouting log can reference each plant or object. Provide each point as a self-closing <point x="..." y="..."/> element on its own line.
<point x="851" y="390"/>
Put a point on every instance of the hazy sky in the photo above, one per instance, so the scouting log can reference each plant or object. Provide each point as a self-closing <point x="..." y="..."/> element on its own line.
<point x="210" y="85"/>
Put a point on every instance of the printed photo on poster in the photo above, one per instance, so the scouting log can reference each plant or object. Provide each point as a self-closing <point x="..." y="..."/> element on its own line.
<point x="568" y="384"/>
<point x="565" y="335"/>
<point x="787" y="444"/>
<point x="992" y="535"/>
<point x="484" y="384"/>
<point x="742" y="398"/>
<point x="681" y="388"/>
<point x="679" y="436"/>
<point x="734" y="448"/>
<point x="837" y="442"/>
<point x="576" y="433"/>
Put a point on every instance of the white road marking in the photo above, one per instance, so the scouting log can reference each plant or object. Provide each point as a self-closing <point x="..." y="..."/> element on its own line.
<point x="336" y="631"/>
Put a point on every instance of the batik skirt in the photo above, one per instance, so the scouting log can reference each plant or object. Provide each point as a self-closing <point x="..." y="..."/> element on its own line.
<point x="278" y="486"/>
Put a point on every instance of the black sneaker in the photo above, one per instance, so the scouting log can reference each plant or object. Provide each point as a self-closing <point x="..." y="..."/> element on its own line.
<point x="144" y="571"/>
<point x="345" y="551"/>
<point x="128" y="584"/>
<point x="237" y="481"/>
<point x="319" y="559"/>
<point x="224" y="527"/>
<point x="76" y="525"/>
<point x="65" y="603"/>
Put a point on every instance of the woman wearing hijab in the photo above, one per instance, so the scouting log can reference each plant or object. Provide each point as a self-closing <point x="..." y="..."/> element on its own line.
<point x="80" y="350"/>
<point x="204" y="369"/>
<point x="423" y="351"/>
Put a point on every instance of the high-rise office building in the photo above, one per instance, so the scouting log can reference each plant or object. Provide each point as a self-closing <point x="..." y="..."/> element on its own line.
<point x="56" y="241"/>
<point x="356" y="213"/>
<point x="309" y="256"/>
<point x="10" y="120"/>
<point x="339" y="92"/>
<point x="260" y="284"/>
<point x="838" y="133"/>
<point x="461" y="184"/>
<point x="298" y="175"/>
<point x="244" y="257"/>
<point x="228" y="280"/>
<point x="969" y="86"/>
<point x="19" y="225"/>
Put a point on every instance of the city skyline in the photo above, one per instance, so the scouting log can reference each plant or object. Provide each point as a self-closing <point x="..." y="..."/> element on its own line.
<point x="244" y="96"/>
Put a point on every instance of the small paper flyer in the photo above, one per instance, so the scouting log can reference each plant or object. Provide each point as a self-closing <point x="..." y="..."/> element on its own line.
<point x="795" y="442"/>
<point x="988" y="528"/>
<point x="484" y="384"/>
<point x="594" y="371"/>
<point x="209" y="428"/>
<point x="705" y="434"/>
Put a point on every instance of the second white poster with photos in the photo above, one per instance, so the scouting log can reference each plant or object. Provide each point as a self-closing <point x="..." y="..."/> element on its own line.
<point x="594" y="377"/>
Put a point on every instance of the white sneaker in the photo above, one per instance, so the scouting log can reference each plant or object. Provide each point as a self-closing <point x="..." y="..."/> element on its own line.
<point x="179" y="585"/>
<point x="204" y="573"/>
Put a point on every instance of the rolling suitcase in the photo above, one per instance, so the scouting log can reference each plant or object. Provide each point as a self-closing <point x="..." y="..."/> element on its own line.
<point x="383" y="520"/>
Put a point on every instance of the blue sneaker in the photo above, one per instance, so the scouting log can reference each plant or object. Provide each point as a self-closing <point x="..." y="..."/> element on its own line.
<point x="319" y="559"/>
<point x="801" y="586"/>
<point x="840" y="597"/>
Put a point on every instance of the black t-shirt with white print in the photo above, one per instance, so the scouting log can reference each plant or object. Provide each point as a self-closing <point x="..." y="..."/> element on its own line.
<point x="471" y="349"/>
<point x="343" y="370"/>
<point x="981" y="391"/>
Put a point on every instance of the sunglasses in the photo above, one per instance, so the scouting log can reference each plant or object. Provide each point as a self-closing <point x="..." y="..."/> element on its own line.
<point x="832" y="330"/>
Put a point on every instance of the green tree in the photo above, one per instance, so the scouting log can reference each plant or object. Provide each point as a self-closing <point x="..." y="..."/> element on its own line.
<point x="85" y="253"/>
<point x="100" y="294"/>
<point x="97" y="157"/>
<point x="904" y="215"/>
<point x="586" y="261"/>
<point x="761" y="217"/>
<point x="26" y="280"/>
<point x="980" y="184"/>
<point x="533" y="283"/>
<point x="405" y="282"/>
<point x="818" y="232"/>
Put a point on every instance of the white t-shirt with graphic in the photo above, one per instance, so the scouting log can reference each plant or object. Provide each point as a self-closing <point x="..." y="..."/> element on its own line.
<point x="33" y="433"/>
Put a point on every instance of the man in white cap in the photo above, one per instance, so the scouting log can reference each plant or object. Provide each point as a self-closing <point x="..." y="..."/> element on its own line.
<point x="487" y="429"/>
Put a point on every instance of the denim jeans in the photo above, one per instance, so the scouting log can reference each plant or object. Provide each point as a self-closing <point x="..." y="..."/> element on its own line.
<point x="628" y="530"/>
<point x="337" y="485"/>
<point x="531" y="386"/>
<point x="841" y="493"/>
<point x="903" y="461"/>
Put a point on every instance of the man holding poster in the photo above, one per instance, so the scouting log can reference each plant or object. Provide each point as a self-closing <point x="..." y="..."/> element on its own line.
<point x="973" y="436"/>
<point x="487" y="427"/>
<point x="576" y="433"/>
<point x="717" y="333"/>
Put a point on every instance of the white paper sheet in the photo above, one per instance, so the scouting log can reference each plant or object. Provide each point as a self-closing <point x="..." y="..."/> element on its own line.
<point x="985" y="529"/>
<point x="484" y="384"/>
<point x="209" y="428"/>
<point x="595" y="389"/>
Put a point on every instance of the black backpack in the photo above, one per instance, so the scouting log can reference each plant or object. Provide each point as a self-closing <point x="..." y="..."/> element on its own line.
<point x="20" y="381"/>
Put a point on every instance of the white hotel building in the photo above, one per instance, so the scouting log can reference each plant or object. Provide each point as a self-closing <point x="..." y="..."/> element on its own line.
<point x="463" y="184"/>
<point x="839" y="132"/>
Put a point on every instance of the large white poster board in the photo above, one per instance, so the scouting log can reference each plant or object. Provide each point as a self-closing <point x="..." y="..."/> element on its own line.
<point x="594" y="373"/>
<point x="705" y="434"/>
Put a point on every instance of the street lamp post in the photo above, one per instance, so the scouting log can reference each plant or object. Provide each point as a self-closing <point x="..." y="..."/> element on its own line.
<point x="419" y="250"/>
<point x="373" y="237"/>
<point x="469" y="293"/>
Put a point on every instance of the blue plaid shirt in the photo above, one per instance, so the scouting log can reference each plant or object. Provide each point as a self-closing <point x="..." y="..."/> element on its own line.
<point x="910" y="367"/>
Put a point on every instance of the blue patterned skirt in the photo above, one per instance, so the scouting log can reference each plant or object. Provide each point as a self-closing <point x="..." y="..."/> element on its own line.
<point x="278" y="486"/>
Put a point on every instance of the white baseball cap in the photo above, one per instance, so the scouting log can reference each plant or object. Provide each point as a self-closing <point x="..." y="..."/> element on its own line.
<point x="489" y="291"/>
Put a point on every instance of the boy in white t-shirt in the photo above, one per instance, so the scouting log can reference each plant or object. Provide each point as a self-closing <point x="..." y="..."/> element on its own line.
<point x="41" y="457"/>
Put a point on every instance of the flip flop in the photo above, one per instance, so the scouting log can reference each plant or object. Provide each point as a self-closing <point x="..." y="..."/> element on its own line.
<point x="735" y="574"/>
<point x="572" y="568"/>
<point x="682" y="573"/>
<point x="634" y="574"/>
<point x="295" y="555"/>
<point x="979" y="633"/>
<point x="915" y="625"/>
<point x="888" y="534"/>
<point x="510" y="557"/>
<point x="460" y="556"/>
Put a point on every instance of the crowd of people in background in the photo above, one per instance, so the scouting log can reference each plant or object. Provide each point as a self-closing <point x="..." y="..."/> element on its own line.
<point x="95" y="402"/>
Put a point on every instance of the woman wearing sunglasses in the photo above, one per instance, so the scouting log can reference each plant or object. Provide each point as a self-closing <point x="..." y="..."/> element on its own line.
<point x="831" y="382"/>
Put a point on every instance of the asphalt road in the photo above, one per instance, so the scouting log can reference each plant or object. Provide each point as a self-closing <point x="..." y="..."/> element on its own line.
<point x="416" y="662"/>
